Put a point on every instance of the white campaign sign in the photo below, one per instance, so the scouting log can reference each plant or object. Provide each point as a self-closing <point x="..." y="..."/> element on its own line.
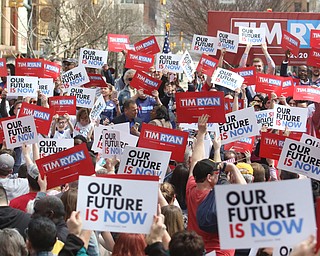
<point x="310" y="140"/>
<point x="116" y="205"/>
<point x="266" y="214"/>
<point x="295" y="119"/>
<point x="254" y="36"/>
<point x="265" y="117"/>
<point x="51" y="146"/>
<point x="97" y="108"/>
<point x="204" y="44"/>
<point x="75" y="77"/>
<point x="85" y="96"/>
<point x="228" y="40"/>
<point x="227" y="78"/>
<point x="187" y="65"/>
<point x="111" y="143"/>
<point x="25" y="86"/>
<point x="46" y="86"/>
<point x="92" y="58"/>
<point x="168" y="62"/>
<point x="240" y="124"/>
<point x="144" y="161"/>
<point x="300" y="158"/>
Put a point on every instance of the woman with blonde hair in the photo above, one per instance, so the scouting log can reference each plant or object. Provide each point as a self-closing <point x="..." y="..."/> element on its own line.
<point x="173" y="219"/>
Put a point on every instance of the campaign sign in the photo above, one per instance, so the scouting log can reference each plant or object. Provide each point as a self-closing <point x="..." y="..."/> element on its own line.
<point x="98" y="130"/>
<point x="302" y="92"/>
<point x="3" y="67"/>
<point x="75" y="77"/>
<point x="248" y="73"/>
<point x="144" y="161"/>
<point x="92" y="58"/>
<point x="191" y="105"/>
<point x="287" y="87"/>
<point x="254" y="36"/>
<point x="300" y="158"/>
<point x="51" y="69"/>
<point x="242" y="145"/>
<point x="19" y="130"/>
<point x="29" y="67"/>
<point x="240" y="124"/>
<point x="266" y="83"/>
<point x="113" y="203"/>
<point x="227" y="78"/>
<point x="207" y="65"/>
<point x="271" y="145"/>
<point x="228" y="104"/>
<point x="63" y="105"/>
<point x="266" y="214"/>
<point x="49" y="147"/>
<point x="25" y="86"/>
<point x="211" y="127"/>
<point x="282" y="250"/>
<point x="117" y="43"/>
<point x="307" y="139"/>
<point x="290" y="42"/>
<point x="1" y="126"/>
<point x="265" y="117"/>
<point x="111" y="143"/>
<point x="187" y="65"/>
<point x="295" y="119"/>
<point x="46" y="86"/>
<point x="143" y="81"/>
<point x="160" y="138"/>
<point x="314" y="38"/>
<point x="96" y="80"/>
<point x="42" y="116"/>
<point x="228" y="41"/>
<point x="148" y="45"/>
<point x="97" y="108"/>
<point x="66" y="166"/>
<point x="314" y="58"/>
<point x="139" y="60"/>
<point x="169" y="62"/>
<point x="85" y="96"/>
<point x="204" y="44"/>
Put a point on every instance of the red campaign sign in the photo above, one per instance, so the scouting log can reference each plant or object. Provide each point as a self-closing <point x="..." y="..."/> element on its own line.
<point x="1" y="130"/>
<point x="117" y="43"/>
<point x="96" y="80"/>
<point x="268" y="83"/>
<point x="290" y="42"/>
<point x="191" y="105"/>
<point x="314" y="58"/>
<point x="148" y="45"/>
<point x="207" y="65"/>
<point x="66" y="166"/>
<point x="271" y="145"/>
<point x="296" y="81"/>
<point x="228" y="103"/>
<point x="303" y="92"/>
<point x="51" y="69"/>
<point x="3" y="67"/>
<point x="139" y="61"/>
<point x="160" y="138"/>
<point x="245" y="144"/>
<point x="287" y="87"/>
<point x="143" y="81"/>
<point x="248" y="73"/>
<point x="297" y="23"/>
<point x="63" y="105"/>
<point x="42" y="116"/>
<point x="29" y="67"/>
<point x="315" y="38"/>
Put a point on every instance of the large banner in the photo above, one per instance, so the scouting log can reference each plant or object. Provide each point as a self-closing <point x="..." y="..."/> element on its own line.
<point x="75" y="77"/>
<point x="113" y="203"/>
<point x="168" y="62"/>
<point x="148" y="45"/>
<point x="25" y="86"/>
<point x="92" y="58"/>
<point x="144" y="161"/>
<point x="85" y="96"/>
<point x="66" y="166"/>
<point x="300" y="158"/>
<point x="299" y="24"/>
<point x="204" y="44"/>
<point x="49" y="147"/>
<point x="117" y="43"/>
<point x="191" y="105"/>
<point x="265" y="214"/>
<point x="160" y="138"/>
<point x="240" y="124"/>
<point x="139" y="60"/>
<point x="227" y="78"/>
<point x="63" y="105"/>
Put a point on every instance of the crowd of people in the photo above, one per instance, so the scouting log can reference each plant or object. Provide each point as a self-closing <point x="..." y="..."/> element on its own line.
<point x="37" y="221"/>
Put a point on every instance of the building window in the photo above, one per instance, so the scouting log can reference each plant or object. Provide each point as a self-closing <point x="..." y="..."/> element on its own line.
<point x="297" y="7"/>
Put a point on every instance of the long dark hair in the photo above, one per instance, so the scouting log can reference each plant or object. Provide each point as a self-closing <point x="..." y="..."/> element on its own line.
<point x="161" y="112"/>
<point x="179" y="179"/>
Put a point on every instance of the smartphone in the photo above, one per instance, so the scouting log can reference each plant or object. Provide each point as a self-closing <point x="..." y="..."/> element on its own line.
<point x="114" y="95"/>
<point x="137" y="125"/>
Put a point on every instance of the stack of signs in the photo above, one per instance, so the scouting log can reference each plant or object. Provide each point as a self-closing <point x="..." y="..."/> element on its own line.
<point x="92" y="58"/>
<point x="144" y="161"/>
<point x="113" y="203"/>
<point x="268" y="214"/>
<point x="49" y="147"/>
<point x="46" y="86"/>
<point x="168" y="62"/>
<point x="75" y="77"/>
<point x="253" y="36"/>
<point x="66" y="166"/>
<point x="139" y="60"/>
<point x="148" y="45"/>
<point x="25" y="86"/>
<point x="85" y="96"/>
<point x="228" y="41"/>
<point x="117" y="43"/>
<point x="227" y="78"/>
<point x="204" y="44"/>
<point x="19" y="130"/>
<point x="187" y="65"/>
<point x="143" y="81"/>
<point x="63" y="105"/>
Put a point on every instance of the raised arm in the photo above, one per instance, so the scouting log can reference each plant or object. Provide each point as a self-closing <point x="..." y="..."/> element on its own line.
<point x="244" y="57"/>
<point x="271" y="64"/>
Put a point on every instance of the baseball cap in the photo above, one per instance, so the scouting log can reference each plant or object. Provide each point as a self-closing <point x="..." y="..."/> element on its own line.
<point x="33" y="171"/>
<point x="245" y="168"/>
<point x="6" y="162"/>
<point x="203" y="168"/>
<point x="70" y="60"/>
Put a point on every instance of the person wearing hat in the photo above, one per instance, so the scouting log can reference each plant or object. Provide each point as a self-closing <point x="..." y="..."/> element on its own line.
<point x="14" y="187"/>
<point x="247" y="171"/>
<point x="68" y="64"/>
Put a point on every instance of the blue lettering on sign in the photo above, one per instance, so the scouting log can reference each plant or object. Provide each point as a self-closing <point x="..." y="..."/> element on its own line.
<point x="301" y="30"/>
<point x="26" y="136"/>
<point x="307" y="167"/>
<point x="73" y="158"/>
<point x="124" y="217"/>
<point x="275" y="227"/>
